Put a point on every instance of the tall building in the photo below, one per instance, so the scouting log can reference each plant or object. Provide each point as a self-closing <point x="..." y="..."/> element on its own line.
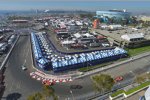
<point x="113" y="16"/>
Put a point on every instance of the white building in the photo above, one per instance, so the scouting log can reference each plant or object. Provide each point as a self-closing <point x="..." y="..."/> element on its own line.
<point x="79" y="23"/>
<point x="115" y="27"/>
<point x="104" y="27"/>
<point x="87" y="35"/>
<point x="66" y="42"/>
<point x="133" y="37"/>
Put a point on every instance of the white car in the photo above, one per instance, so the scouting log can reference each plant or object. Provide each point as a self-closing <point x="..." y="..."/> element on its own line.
<point x="24" y="68"/>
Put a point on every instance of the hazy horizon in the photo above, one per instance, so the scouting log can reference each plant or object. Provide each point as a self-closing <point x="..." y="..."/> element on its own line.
<point x="88" y="5"/>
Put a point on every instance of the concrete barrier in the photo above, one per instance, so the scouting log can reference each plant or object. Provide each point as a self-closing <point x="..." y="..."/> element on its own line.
<point x="125" y="95"/>
<point x="117" y="97"/>
<point x="6" y="58"/>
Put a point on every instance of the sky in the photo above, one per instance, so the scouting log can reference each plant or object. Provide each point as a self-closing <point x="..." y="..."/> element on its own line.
<point x="93" y="5"/>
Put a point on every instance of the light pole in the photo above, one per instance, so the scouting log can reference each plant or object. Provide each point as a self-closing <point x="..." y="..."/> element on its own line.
<point x="88" y="66"/>
<point x="24" y="63"/>
<point x="72" y="95"/>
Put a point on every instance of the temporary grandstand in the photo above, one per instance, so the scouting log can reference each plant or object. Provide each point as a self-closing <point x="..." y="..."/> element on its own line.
<point x="48" y="57"/>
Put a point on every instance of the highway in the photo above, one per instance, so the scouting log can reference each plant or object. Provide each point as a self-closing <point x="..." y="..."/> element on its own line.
<point x="19" y="84"/>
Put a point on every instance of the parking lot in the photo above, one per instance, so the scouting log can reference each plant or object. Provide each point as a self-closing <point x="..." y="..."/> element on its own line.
<point x="74" y="36"/>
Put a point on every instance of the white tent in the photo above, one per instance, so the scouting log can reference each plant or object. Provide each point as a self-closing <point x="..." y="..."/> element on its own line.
<point x="87" y="35"/>
<point x="114" y="27"/>
<point x="79" y="23"/>
<point x="67" y="42"/>
<point x="77" y="35"/>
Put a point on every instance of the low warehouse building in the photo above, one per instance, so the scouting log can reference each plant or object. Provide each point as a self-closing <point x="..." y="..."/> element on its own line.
<point x="133" y="37"/>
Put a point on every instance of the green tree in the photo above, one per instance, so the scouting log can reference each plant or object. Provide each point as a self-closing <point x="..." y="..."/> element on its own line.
<point x="139" y="79"/>
<point x="36" y="96"/>
<point x="87" y="15"/>
<point x="48" y="91"/>
<point x="55" y="97"/>
<point x="30" y="97"/>
<point x="102" y="82"/>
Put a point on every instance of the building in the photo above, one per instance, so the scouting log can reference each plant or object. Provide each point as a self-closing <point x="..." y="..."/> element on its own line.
<point x="115" y="27"/>
<point x="145" y="19"/>
<point x="133" y="37"/>
<point x="20" y="21"/>
<point x="3" y="48"/>
<point x="113" y="16"/>
<point x="127" y="37"/>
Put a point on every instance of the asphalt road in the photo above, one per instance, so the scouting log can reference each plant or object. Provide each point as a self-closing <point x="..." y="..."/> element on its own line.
<point x="19" y="84"/>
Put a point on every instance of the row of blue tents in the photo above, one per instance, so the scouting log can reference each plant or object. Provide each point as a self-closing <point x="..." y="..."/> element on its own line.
<point x="69" y="61"/>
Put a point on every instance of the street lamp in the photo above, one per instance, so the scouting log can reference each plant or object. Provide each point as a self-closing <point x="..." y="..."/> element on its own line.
<point x="88" y="64"/>
<point x="72" y="94"/>
<point x="24" y="63"/>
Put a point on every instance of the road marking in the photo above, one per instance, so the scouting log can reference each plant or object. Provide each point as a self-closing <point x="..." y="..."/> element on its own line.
<point x="11" y="86"/>
<point x="18" y="85"/>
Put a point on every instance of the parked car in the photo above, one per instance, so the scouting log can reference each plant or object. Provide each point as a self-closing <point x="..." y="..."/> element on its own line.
<point x="142" y="98"/>
<point x="24" y="68"/>
<point x="2" y="87"/>
<point x="75" y="87"/>
<point x="1" y="78"/>
<point x="118" y="79"/>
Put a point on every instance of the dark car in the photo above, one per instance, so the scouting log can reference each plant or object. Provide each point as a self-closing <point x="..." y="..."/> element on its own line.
<point x="142" y="98"/>
<point x="1" y="78"/>
<point x="2" y="88"/>
<point x="75" y="87"/>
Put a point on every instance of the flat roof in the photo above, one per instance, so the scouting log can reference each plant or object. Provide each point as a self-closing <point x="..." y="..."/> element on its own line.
<point x="116" y="35"/>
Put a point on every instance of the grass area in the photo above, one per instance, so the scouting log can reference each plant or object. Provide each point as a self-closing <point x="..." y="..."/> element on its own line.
<point x="137" y="88"/>
<point x="85" y="69"/>
<point x="131" y="90"/>
<point x="131" y="52"/>
<point x="136" y="51"/>
<point x="117" y="93"/>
